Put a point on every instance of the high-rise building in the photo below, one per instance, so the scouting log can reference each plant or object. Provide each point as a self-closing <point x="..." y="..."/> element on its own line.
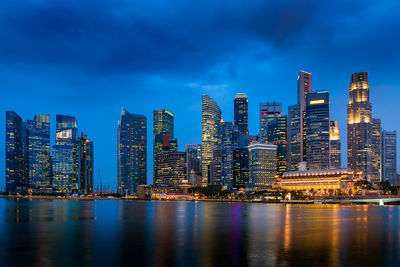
<point x="163" y="136"/>
<point x="359" y="128"/>
<point x="268" y="112"/>
<point x="389" y="157"/>
<point x="294" y="137"/>
<point x="132" y="152"/>
<point x="304" y="87"/>
<point x="316" y="128"/>
<point x="16" y="153"/>
<point x="262" y="165"/>
<point x="86" y="165"/>
<point x="241" y="113"/>
<point x="65" y="158"/>
<point x="39" y="152"/>
<point x="376" y="151"/>
<point x="277" y="135"/>
<point x="171" y="168"/>
<point x="240" y="168"/>
<point x="247" y="139"/>
<point x="230" y="141"/>
<point x="216" y="167"/>
<point x="211" y="135"/>
<point x="193" y="161"/>
<point x="335" y="150"/>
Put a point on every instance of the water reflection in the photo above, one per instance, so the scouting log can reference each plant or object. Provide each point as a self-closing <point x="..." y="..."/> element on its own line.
<point x="66" y="233"/>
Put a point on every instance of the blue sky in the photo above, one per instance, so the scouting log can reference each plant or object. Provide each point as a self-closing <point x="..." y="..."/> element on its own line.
<point x="91" y="58"/>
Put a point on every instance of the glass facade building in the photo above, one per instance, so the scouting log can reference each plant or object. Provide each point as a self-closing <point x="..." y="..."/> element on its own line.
<point x="211" y="135"/>
<point x="171" y="168"/>
<point x="294" y="135"/>
<point x="240" y="168"/>
<point x="389" y="157"/>
<point x="193" y="161"/>
<point x="376" y="150"/>
<point x="335" y="150"/>
<point x="268" y="112"/>
<point x="86" y="165"/>
<point x="241" y="113"/>
<point x="304" y="87"/>
<point x="230" y="141"/>
<point x="262" y="165"/>
<point x="277" y="134"/>
<point x="132" y="152"/>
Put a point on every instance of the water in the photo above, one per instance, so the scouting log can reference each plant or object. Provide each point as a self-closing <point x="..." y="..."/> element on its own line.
<point x="111" y="232"/>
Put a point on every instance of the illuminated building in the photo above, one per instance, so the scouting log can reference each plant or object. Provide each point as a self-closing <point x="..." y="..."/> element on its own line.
<point x="335" y="154"/>
<point x="294" y="137"/>
<point x="16" y="155"/>
<point x="277" y="135"/>
<point x="39" y="152"/>
<point x="171" y="168"/>
<point x="132" y="152"/>
<point x="316" y="129"/>
<point x="268" y="112"/>
<point x="211" y="135"/>
<point x="376" y="150"/>
<point x="241" y="113"/>
<point x="163" y="136"/>
<point x="319" y="182"/>
<point x="304" y="87"/>
<point x="240" y="168"/>
<point x="230" y="140"/>
<point x="65" y="158"/>
<point x="389" y="157"/>
<point x="86" y="165"/>
<point x="359" y="128"/>
<point x="215" y="167"/>
<point x="262" y="165"/>
<point x="246" y="139"/>
<point x="193" y="161"/>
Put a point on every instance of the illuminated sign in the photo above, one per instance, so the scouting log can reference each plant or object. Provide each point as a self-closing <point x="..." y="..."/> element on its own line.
<point x="315" y="102"/>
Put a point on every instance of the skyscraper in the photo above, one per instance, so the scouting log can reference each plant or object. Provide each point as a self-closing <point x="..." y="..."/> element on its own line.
<point x="39" y="152"/>
<point x="294" y="137"/>
<point x="389" y="157"/>
<point x="216" y="167"/>
<point x="230" y="140"/>
<point x="240" y="168"/>
<point x="316" y="129"/>
<point x="86" y="165"/>
<point x="211" y="135"/>
<point x="262" y="165"/>
<point x="66" y="155"/>
<point x="241" y="113"/>
<point x="132" y="152"/>
<point x="376" y="150"/>
<point x="16" y="156"/>
<point x="163" y="134"/>
<point x="277" y="135"/>
<point x="193" y="161"/>
<point x="359" y="128"/>
<point x="335" y="150"/>
<point x="304" y="87"/>
<point x="171" y="168"/>
<point x="268" y="112"/>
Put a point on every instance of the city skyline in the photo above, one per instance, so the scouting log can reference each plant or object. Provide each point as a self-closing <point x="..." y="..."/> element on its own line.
<point x="264" y="75"/>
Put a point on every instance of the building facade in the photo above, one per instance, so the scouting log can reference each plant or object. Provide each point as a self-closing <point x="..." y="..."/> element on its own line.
<point x="230" y="141"/>
<point x="211" y="135"/>
<point x="304" y="87"/>
<point x="171" y="168"/>
<point x="389" y="157"/>
<point x="335" y="146"/>
<point x="262" y="165"/>
<point x="132" y="152"/>
<point x="268" y="112"/>
<point x="277" y="134"/>
<point x="241" y="113"/>
<point x="86" y="165"/>
<point x="240" y="168"/>
<point x="294" y="135"/>
<point x="193" y="161"/>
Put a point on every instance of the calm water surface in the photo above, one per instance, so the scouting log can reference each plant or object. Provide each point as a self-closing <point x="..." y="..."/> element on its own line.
<point x="111" y="232"/>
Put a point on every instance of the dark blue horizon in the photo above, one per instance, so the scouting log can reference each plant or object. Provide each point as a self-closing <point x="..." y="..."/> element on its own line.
<point x="89" y="59"/>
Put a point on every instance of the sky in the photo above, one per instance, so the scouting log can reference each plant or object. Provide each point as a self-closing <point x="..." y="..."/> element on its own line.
<point x="89" y="59"/>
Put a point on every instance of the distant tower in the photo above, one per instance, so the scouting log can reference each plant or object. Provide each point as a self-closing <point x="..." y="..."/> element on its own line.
<point x="335" y="151"/>
<point x="359" y="126"/>
<point x="268" y="112"/>
<point x="193" y="161"/>
<point x="240" y="170"/>
<point x="211" y="135"/>
<point x="132" y="152"/>
<point x="376" y="150"/>
<point x="294" y="136"/>
<point x="277" y="135"/>
<point x="230" y="141"/>
<point x="304" y="87"/>
<point x="389" y="157"/>
<point x="86" y="165"/>
<point x="241" y="113"/>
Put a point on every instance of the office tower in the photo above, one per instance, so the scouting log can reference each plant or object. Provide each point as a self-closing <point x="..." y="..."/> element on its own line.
<point x="335" y="150"/>
<point x="39" y="152"/>
<point x="132" y="152"/>
<point x="246" y="139"/>
<point x="304" y="87"/>
<point x="211" y="134"/>
<point x="240" y="168"/>
<point x="316" y="129"/>
<point x="193" y="161"/>
<point x="241" y="113"/>
<point x="216" y="167"/>
<point x="359" y="128"/>
<point x="277" y="135"/>
<point x="16" y="153"/>
<point x="86" y="165"/>
<point x="268" y="112"/>
<point x="65" y="158"/>
<point x="294" y="137"/>
<point x="262" y="165"/>
<point x="171" y="168"/>
<point x="163" y="135"/>
<point x="376" y="150"/>
<point x="230" y="141"/>
<point x="389" y="157"/>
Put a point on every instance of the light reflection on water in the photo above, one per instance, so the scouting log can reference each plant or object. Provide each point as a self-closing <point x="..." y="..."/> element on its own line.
<point x="110" y="232"/>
